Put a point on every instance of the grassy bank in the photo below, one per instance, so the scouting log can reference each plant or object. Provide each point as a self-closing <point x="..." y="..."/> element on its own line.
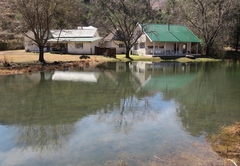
<point x="157" y="59"/>
<point x="19" y="61"/>
<point x="18" y="56"/>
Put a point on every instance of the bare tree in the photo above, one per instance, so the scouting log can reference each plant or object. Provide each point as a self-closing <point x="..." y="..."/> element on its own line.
<point x="207" y="18"/>
<point x="234" y="28"/>
<point x="120" y="17"/>
<point x="37" y="16"/>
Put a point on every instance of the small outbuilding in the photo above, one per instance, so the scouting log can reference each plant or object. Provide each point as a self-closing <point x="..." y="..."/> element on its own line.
<point x="113" y="40"/>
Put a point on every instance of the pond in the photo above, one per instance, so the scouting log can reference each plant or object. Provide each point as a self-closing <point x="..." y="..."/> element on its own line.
<point x="138" y="113"/>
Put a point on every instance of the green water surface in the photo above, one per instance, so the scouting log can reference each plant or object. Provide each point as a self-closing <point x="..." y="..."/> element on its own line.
<point x="138" y="113"/>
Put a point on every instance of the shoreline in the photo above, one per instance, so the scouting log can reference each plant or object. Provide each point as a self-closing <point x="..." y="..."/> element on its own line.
<point x="31" y="67"/>
<point x="21" y="62"/>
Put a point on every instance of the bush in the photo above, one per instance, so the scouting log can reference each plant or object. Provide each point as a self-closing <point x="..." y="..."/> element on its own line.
<point x="3" y="46"/>
<point x="15" y="45"/>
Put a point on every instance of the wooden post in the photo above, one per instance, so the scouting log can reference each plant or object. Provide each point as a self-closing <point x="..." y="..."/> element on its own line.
<point x="165" y="46"/>
<point x="197" y="48"/>
<point x="153" y="48"/>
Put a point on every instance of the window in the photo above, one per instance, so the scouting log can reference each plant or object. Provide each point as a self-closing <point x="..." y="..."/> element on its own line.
<point x="135" y="46"/>
<point x="142" y="45"/>
<point x="150" y="47"/>
<point x="121" y="46"/>
<point x="78" y="45"/>
<point x="30" y="43"/>
<point x="121" y="67"/>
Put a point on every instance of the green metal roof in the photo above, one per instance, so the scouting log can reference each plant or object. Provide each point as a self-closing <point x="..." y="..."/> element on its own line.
<point x="169" y="33"/>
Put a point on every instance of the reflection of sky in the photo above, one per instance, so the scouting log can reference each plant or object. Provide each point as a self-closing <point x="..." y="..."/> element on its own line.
<point x="95" y="141"/>
<point x="6" y="139"/>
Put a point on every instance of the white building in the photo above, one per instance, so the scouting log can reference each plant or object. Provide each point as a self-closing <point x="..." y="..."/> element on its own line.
<point x="115" y="41"/>
<point x="165" y="40"/>
<point x="82" y="40"/>
<point x="29" y="44"/>
<point x="75" y="41"/>
<point x="158" y="40"/>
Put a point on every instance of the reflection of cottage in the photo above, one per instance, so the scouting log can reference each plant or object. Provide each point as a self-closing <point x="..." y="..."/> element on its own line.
<point x="159" y="39"/>
<point x="115" y="41"/>
<point x="75" y="76"/>
<point x="73" y="41"/>
<point x="163" y="75"/>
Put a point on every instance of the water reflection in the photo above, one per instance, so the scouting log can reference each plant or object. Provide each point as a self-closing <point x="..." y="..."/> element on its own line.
<point x="210" y="101"/>
<point x="43" y="137"/>
<point x="75" y="76"/>
<point x="144" y="109"/>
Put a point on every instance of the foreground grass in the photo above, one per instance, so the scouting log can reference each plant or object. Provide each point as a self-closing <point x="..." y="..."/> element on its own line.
<point x="20" y="56"/>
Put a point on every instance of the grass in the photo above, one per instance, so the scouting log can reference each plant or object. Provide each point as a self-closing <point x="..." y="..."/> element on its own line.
<point x="18" y="61"/>
<point x="19" y="56"/>
<point x="122" y="58"/>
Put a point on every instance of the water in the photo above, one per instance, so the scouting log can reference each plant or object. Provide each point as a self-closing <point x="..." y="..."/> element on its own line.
<point x="139" y="113"/>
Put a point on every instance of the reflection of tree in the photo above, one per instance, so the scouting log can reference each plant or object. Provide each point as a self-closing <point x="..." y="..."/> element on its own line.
<point x="43" y="137"/>
<point x="51" y="102"/>
<point x="44" y="111"/>
<point x="128" y="110"/>
<point x="210" y="101"/>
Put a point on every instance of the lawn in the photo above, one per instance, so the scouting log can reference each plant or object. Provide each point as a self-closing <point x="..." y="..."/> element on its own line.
<point x="18" y="56"/>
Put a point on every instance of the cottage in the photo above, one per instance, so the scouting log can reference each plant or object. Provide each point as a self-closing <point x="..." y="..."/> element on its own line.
<point x="75" y="41"/>
<point x="82" y="40"/>
<point x="165" y="40"/>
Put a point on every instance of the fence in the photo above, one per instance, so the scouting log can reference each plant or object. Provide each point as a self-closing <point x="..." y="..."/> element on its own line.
<point x="109" y="52"/>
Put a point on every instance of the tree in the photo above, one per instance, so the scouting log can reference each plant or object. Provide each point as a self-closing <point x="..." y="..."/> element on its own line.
<point x="74" y="13"/>
<point x="120" y="17"/>
<point x="37" y="16"/>
<point x="234" y="29"/>
<point x="207" y="18"/>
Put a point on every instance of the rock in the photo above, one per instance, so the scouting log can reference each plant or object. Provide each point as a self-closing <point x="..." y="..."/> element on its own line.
<point x="84" y="57"/>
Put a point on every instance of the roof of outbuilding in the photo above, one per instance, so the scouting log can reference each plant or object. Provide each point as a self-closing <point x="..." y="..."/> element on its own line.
<point x="73" y="33"/>
<point x="62" y="40"/>
<point x="169" y="33"/>
<point x="114" y="36"/>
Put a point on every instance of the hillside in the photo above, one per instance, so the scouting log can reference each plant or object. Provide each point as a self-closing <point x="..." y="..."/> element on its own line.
<point x="9" y="21"/>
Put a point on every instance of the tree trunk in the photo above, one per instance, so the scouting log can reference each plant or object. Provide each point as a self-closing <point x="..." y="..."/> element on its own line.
<point x="127" y="52"/>
<point x="207" y="50"/>
<point x="237" y="40"/>
<point x="41" y="54"/>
